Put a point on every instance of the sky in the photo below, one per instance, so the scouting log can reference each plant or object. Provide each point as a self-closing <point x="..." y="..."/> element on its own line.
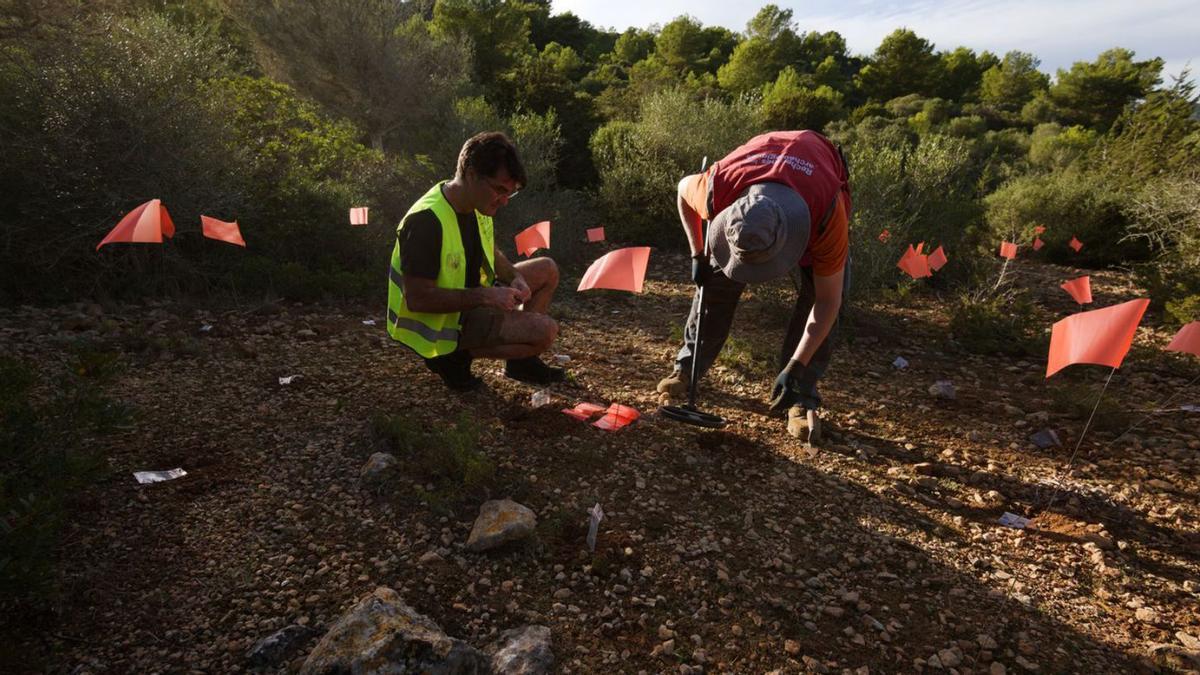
<point x="1059" y="32"/>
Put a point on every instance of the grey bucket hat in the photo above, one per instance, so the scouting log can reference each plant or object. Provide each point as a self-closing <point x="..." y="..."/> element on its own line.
<point x="761" y="235"/>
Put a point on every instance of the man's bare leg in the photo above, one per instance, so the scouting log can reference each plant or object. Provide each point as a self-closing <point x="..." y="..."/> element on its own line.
<point x="522" y="334"/>
<point x="527" y="333"/>
<point x="542" y="276"/>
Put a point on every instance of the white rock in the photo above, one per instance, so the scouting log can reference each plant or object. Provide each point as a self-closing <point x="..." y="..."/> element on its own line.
<point x="500" y="521"/>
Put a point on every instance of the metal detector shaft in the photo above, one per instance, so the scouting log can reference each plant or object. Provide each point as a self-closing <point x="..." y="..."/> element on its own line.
<point x="694" y="380"/>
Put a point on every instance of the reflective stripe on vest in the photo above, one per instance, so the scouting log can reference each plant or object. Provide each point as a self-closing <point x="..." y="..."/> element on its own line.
<point x="421" y="329"/>
<point x="430" y="334"/>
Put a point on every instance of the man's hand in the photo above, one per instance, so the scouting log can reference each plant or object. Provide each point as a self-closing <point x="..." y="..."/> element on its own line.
<point x="701" y="270"/>
<point x="795" y="384"/>
<point x="520" y="286"/>
<point x="501" y="297"/>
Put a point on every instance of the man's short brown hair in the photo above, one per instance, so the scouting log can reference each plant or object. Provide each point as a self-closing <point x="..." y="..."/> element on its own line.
<point x="488" y="151"/>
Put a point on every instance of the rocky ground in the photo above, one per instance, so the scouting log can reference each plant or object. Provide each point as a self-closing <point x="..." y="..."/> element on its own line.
<point x="737" y="550"/>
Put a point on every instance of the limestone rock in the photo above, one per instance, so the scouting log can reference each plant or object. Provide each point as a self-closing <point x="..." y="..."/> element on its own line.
<point x="943" y="389"/>
<point x="378" y="470"/>
<point x="279" y="646"/>
<point x="381" y="634"/>
<point x="523" y="651"/>
<point x="500" y="521"/>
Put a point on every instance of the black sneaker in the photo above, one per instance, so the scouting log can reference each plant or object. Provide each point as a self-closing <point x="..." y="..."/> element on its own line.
<point x="532" y="370"/>
<point x="455" y="370"/>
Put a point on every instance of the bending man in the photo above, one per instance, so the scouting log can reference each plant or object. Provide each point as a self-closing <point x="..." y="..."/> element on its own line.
<point x="452" y="295"/>
<point x="779" y="205"/>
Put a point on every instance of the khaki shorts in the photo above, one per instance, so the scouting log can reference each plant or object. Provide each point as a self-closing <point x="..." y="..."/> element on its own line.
<point x="481" y="327"/>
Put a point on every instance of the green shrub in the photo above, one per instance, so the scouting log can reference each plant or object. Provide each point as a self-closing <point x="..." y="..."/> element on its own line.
<point x="45" y="459"/>
<point x="996" y="324"/>
<point x="918" y="188"/>
<point x="450" y="457"/>
<point x="1070" y="204"/>
<point x="1053" y="147"/>
<point x="93" y="126"/>
<point x="641" y="162"/>
<point x="749" y="357"/>
<point x="1076" y="400"/>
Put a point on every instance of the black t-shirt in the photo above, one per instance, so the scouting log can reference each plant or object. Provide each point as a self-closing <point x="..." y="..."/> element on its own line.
<point x="421" y="246"/>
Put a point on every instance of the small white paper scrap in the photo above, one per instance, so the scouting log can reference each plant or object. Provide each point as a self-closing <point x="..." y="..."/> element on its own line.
<point x="540" y="398"/>
<point x="368" y="322"/>
<point x="562" y="358"/>
<point x="205" y="328"/>
<point x="1188" y="407"/>
<point x="597" y="514"/>
<point x="1013" y="520"/>
<point x="900" y="362"/>
<point x="288" y="379"/>
<point x="144" y="477"/>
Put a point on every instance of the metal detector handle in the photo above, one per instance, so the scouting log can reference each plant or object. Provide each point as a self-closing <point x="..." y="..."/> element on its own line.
<point x="693" y="381"/>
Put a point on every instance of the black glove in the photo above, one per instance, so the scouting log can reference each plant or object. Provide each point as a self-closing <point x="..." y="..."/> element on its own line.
<point x="796" y="384"/>
<point x="701" y="270"/>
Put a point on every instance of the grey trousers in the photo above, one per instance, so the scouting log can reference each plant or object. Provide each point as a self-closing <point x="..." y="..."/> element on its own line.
<point x="721" y="296"/>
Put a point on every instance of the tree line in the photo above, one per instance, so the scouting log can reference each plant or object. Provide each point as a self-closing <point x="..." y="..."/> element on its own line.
<point x="284" y="113"/>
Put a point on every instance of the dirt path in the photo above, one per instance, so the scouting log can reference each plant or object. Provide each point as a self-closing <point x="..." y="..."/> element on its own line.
<point x="731" y="551"/>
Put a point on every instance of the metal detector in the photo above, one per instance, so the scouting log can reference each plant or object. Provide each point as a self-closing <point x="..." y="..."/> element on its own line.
<point x="689" y="414"/>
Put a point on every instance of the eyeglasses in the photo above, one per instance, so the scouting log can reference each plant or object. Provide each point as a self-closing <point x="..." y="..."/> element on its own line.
<point x="502" y="191"/>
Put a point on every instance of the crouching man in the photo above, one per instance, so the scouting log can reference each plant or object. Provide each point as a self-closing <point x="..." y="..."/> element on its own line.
<point x="452" y="295"/>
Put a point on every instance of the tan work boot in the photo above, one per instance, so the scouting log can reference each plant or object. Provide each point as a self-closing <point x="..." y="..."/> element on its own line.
<point x="804" y="424"/>
<point x="676" y="385"/>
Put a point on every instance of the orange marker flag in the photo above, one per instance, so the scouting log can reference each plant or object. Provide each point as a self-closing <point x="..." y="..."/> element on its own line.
<point x="1075" y="244"/>
<point x="532" y="238"/>
<point x="582" y="411"/>
<point x="1101" y="336"/>
<point x="621" y="270"/>
<point x="1080" y="289"/>
<point x="1187" y="339"/>
<point x="595" y="234"/>
<point x="1008" y="250"/>
<point x="914" y="264"/>
<point x="937" y="259"/>
<point x="358" y="215"/>
<point x="222" y="231"/>
<point x="616" y="417"/>
<point x="1039" y="229"/>
<point x="147" y="224"/>
<point x="1038" y="244"/>
<point x="885" y="235"/>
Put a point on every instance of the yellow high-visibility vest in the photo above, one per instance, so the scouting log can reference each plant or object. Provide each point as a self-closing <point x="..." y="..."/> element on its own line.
<point x="430" y="334"/>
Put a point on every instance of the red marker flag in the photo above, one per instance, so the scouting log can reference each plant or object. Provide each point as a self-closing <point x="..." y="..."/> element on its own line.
<point x="937" y="259"/>
<point x="595" y="234"/>
<point x="1187" y="339"/>
<point x="1101" y="337"/>
<point x="621" y="270"/>
<point x="914" y="264"/>
<point x="358" y="215"/>
<point x="616" y="417"/>
<point x="582" y="411"/>
<point x="1075" y="244"/>
<point x="920" y="248"/>
<point x="533" y="237"/>
<point x="1039" y="229"/>
<point x="147" y="224"/>
<point x="1038" y="244"/>
<point x="885" y="235"/>
<point x="1080" y="289"/>
<point x="222" y="231"/>
<point x="1008" y="250"/>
